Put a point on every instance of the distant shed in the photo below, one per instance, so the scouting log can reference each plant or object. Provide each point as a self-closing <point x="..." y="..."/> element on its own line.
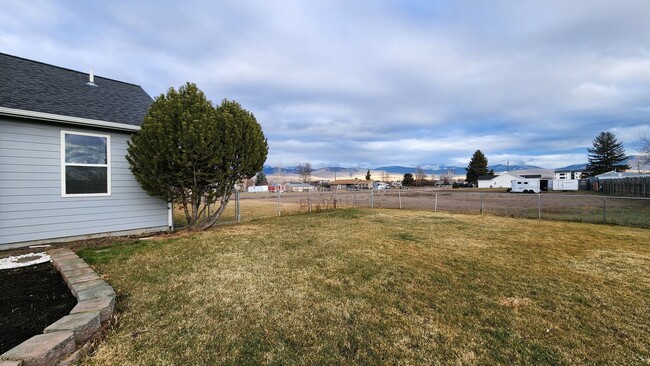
<point x="503" y="180"/>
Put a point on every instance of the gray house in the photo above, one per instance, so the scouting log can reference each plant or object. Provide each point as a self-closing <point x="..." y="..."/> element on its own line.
<point x="63" y="171"/>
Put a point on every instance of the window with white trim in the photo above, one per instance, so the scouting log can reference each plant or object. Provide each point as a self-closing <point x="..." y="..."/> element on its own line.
<point x="85" y="164"/>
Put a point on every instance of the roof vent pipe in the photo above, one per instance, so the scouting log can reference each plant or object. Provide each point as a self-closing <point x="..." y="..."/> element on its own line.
<point x="91" y="79"/>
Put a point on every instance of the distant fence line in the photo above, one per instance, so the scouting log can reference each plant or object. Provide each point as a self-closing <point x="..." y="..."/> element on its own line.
<point x="633" y="186"/>
<point x="630" y="211"/>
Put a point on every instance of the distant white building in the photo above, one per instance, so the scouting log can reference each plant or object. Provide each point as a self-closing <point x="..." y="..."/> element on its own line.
<point x="380" y="185"/>
<point x="620" y="175"/>
<point x="299" y="187"/>
<point x="503" y="180"/>
<point x="567" y="174"/>
<point x="258" y="189"/>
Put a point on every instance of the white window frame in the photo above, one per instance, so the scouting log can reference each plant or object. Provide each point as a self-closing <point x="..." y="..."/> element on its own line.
<point x="107" y="165"/>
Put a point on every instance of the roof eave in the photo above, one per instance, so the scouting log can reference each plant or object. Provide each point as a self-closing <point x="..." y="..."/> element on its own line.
<point x="12" y="112"/>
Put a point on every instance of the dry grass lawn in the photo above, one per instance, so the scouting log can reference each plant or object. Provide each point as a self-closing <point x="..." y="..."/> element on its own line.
<point x="381" y="287"/>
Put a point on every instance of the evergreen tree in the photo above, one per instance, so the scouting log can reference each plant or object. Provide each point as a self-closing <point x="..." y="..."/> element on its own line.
<point x="607" y="154"/>
<point x="261" y="180"/>
<point x="192" y="153"/>
<point x="368" y="175"/>
<point x="477" y="167"/>
<point x="408" y="180"/>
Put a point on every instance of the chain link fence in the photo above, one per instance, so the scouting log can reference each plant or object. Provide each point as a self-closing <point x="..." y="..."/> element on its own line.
<point x="554" y="206"/>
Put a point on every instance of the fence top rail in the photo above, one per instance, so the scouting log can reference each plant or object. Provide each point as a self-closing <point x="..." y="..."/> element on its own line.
<point x="547" y="194"/>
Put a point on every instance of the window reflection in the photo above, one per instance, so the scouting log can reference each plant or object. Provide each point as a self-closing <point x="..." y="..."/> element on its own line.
<point x="86" y="179"/>
<point x="82" y="149"/>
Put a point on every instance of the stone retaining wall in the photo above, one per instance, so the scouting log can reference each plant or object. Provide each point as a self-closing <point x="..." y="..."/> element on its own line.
<point x="63" y="342"/>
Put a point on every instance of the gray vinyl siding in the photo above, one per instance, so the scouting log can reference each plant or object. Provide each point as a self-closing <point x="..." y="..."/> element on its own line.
<point x="31" y="205"/>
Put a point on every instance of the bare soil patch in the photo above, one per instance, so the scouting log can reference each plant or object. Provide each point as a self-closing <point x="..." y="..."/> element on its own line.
<point x="31" y="298"/>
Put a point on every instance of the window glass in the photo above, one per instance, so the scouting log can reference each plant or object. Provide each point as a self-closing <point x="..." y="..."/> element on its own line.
<point x="86" y="179"/>
<point x="82" y="149"/>
<point x="85" y="167"/>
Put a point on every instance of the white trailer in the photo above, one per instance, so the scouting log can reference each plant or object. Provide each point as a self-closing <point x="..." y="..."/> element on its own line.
<point x="525" y="186"/>
<point x="380" y="185"/>
<point x="258" y="189"/>
<point x="565" y="184"/>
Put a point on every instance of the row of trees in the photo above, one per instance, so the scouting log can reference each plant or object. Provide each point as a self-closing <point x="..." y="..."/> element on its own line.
<point x="606" y="155"/>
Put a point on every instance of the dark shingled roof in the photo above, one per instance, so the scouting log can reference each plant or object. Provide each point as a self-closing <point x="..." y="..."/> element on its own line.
<point x="486" y="177"/>
<point x="35" y="86"/>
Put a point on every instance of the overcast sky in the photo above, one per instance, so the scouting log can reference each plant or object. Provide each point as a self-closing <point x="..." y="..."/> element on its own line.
<point x="374" y="83"/>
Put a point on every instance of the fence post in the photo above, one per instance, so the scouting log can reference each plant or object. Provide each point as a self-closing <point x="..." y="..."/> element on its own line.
<point x="604" y="210"/>
<point x="279" y="212"/>
<point x="399" y="197"/>
<point x="481" y="203"/>
<point x="309" y="200"/>
<point x="539" y="206"/>
<point x="237" y="207"/>
<point x="435" y="203"/>
<point x="335" y="198"/>
<point x="354" y="198"/>
<point x="372" y="198"/>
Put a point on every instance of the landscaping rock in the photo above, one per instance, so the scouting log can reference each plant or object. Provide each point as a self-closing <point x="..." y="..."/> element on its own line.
<point x="58" y="263"/>
<point x="63" y="266"/>
<point x="84" y="325"/>
<point x="99" y="291"/>
<point x="83" y="278"/>
<point x="104" y="305"/>
<point x="77" y="272"/>
<point x="78" y="287"/>
<point x="43" y="349"/>
<point x="62" y="255"/>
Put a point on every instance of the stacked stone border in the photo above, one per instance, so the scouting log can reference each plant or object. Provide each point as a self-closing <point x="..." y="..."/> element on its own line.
<point x="64" y="341"/>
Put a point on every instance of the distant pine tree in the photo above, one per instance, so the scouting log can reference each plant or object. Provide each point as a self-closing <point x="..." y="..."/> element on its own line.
<point x="606" y="155"/>
<point x="368" y="175"/>
<point x="408" y="180"/>
<point x="261" y="180"/>
<point x="477" y="167"/>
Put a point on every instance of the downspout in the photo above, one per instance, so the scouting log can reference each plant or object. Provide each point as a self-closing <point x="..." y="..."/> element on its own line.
<point x="170" y="215"/>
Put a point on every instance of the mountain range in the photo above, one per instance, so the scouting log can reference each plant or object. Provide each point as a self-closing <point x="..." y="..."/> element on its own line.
<point x="397" y="169"/>
<point x="352" y="172"/>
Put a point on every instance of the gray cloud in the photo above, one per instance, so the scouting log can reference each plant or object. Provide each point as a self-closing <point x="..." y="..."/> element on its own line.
<point x="374" y="83"/>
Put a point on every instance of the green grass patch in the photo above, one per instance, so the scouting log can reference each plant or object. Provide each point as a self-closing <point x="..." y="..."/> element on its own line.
<point x="118" y="252"/>
<point x="381" y="287"/>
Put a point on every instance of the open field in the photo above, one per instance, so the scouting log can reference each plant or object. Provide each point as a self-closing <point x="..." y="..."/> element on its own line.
<point x="568" y="206"/>
<point x="360" y="286"/>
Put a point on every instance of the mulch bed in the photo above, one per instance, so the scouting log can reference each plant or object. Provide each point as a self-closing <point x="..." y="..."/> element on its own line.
<point x="31" y="298"/>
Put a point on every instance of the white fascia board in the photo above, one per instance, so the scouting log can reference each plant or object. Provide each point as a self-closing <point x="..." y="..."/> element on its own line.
<point x="12" y="112"/>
